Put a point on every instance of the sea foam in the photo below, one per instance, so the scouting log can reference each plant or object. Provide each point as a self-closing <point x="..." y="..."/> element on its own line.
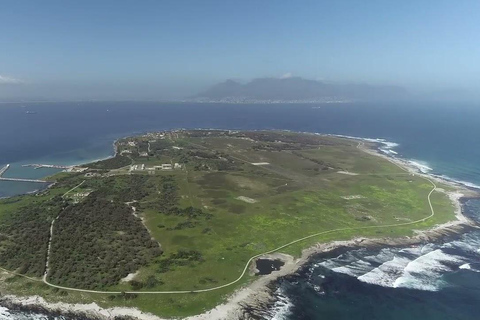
<point x="418" y="267"/>
<point x="421" y="166"/>
<point x="281" y="308"/>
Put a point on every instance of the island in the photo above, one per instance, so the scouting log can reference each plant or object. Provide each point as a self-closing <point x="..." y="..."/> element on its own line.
<point x="178" y="223"/>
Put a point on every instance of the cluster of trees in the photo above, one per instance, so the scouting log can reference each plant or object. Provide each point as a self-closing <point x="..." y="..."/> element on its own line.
<point x="275" y="147"/>
<point x="168" y="204"/>
<point x="203" y="160"/>
<point x="216" y="164"/>
<point x="69" y="180"/>
<point x="324" y="165"/>
<point x="111" y="163"/>
<point x="142" y="146"/>
<point x="203" y="154"/>
<point x="181" y="258"/>
<point x="160" y="145"/>
<point x="122" y="188"/>
<point x="191" y="221"/>
<point x="190" y="212"/>
<point x="304" y="140"/>
<point x="207" y="133"/>
<point x="168" y="199"/>
<point x="123" y="296"/>
<point x="25" y="233"/>
<point x="150" y="282"/>
<point x="98" y="242"/>
<point x="184" y="225"/>
<point x="201" y="166"/>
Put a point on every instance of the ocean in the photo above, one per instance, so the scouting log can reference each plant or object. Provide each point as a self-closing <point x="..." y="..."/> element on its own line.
<point x="429" y="281"/>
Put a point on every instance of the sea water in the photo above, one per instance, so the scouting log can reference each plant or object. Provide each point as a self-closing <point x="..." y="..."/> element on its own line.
<point x="429" y="281"/>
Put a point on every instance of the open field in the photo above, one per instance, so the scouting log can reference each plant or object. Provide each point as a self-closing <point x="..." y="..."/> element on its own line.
<point x="194" y="226"/>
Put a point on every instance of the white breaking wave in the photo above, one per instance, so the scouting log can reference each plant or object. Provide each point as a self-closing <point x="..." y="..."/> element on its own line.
<point x="354" y="269"/>
<point x="424" y="272"/>
<point x="282" y="306"/>
<point x="4" y="314"/>
<point x="386" y="274"/>
<point x="419" y="267"/>
<point x="421" y="166"/>
<point x="348" y="263"/>
<point x="467" y="244"/>
<point x="388" y="144"/>
<point x="388" y="151"/>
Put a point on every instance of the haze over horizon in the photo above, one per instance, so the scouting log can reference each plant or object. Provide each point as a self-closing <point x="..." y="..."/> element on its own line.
<point x="113" y="50"/>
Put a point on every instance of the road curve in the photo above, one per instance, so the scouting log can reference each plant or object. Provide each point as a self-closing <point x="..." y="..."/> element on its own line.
<point x="247" y="264"/>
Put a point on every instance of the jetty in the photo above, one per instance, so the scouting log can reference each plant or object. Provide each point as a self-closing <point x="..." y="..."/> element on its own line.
<point x="4" y="169"/>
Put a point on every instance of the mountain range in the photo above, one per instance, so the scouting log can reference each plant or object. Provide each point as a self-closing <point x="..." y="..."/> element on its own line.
<point x="298" y="89"/>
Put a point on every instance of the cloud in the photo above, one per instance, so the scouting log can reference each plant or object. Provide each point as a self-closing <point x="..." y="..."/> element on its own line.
<point x="9" y="80"/>
<point x="286" y="75"/>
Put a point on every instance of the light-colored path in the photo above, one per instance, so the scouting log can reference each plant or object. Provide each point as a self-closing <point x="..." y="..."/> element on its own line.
<point x="77" y="186"/>
<point x="49" y="247"/>
<point x="247" y="264"/>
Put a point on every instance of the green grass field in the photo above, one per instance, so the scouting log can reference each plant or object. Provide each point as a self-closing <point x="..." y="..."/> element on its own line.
<point x="245" y="209"/>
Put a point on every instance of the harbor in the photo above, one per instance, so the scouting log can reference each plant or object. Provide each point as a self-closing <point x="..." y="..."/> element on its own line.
<point x="5" y="169"/>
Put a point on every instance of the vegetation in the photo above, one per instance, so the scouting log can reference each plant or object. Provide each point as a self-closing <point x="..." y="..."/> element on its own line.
<point x="123" y="188"/>
<point x="235" y="195"/>
<point x="98" y="242"/>
<point x="111" y="163"/>
<point x="24" y="233"/>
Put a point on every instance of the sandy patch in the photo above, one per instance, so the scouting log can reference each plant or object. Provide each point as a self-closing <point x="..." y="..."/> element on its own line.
<point x="246" y="199"/>
<point x="353" y="197"/>
<point x="129" y="277"/>
<point x="348" y="173"/>
<point x="455" y="199"/>
<point x="260" y="163"/>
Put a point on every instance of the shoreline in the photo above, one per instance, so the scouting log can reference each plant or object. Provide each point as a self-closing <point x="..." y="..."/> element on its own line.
<point x="115" y="153"/>
<point x="52" y="183"/>
<point x="258" y="294"/>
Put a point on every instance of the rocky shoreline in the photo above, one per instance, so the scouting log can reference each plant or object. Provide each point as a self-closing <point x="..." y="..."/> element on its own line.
<point x="260" y="307"/>
<point x="251" y="302"/>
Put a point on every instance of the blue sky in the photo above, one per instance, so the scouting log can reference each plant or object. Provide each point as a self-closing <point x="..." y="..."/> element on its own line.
<point x="155" y="49"/>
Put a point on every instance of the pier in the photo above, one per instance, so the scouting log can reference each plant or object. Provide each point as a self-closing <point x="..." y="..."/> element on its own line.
<point x="4" y="169"/>
<point x="23" y="180"/>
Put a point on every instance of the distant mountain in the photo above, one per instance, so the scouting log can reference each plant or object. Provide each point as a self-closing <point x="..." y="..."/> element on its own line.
<point x="298" y="89"/>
